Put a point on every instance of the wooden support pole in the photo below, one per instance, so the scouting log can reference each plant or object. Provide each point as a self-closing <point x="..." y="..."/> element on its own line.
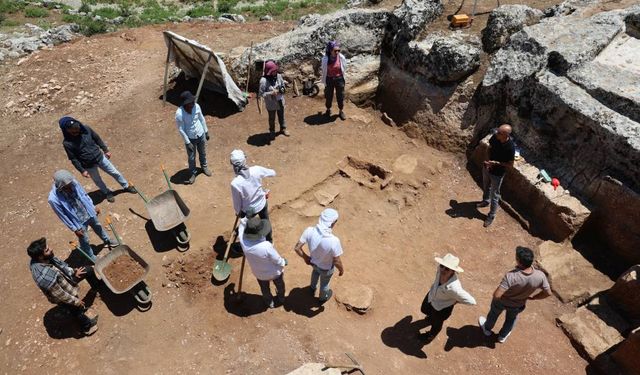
<point x="204" y="73"/>
<point x="166" y="73"/>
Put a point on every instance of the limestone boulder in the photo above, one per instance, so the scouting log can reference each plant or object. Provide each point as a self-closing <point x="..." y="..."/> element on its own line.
<point x="410" y="18"/>
<point x="567" y="271"/>
<point x="355" y="297"/>
<point x="506" y="20"/>
<point x="315" y="369"/>
<point x="624" y="296"/>
<point x="451" y="59"/>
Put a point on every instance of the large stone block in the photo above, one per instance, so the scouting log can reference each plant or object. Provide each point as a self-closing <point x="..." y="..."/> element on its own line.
<point x="572" y="278"/>
<point x="506" y="20"/>
<point x="627" y="355"/>
<point x="624" y="296"/>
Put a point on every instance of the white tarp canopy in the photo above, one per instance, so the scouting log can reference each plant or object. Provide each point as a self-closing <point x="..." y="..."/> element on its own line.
<point x="197" y="60"/>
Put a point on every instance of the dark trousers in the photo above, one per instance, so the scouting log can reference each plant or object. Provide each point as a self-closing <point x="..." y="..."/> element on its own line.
<point x="337" y="84"/>
<point x="434" y="317"/>
<point x="272" y="118"/>
<point x="78" y="314"/>
<point x="266" y="289"/>
<point x="264" y="214"/>
<point x="199" y="146"/>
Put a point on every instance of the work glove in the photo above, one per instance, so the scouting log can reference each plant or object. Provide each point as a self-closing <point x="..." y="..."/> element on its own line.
<point x="190" y="147"/>
<point x="206" y="135"/>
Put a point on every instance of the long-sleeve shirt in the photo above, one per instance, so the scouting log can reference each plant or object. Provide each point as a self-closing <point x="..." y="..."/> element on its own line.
<point x="85" y="150"/>
<point x="263" y="258"/>
<point x="64" y="208"/>
<point x="449" y="293"/>
<point x="191" y="125"/>
<point x="247" y="193"/>
<point x="50" y="278"/>
<point x="266" y="88"/>
<point x="325" y="62"/>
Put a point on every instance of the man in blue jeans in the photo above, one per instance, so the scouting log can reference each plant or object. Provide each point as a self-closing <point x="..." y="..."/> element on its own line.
<point x="76" y="210"/>
<point x="194" y="132"/>
<point x="501" y="155"/>
<point x="517" y="286"/>
<point x="88" y="152"/>
<point x="325" y="251"/>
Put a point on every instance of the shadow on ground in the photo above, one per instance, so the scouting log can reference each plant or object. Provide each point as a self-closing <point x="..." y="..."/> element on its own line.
<point x="404" y="336"/>
<point x="161" y="241"/>
<point x="469" y="336"/>
<point x="259" y="140"/>
<point x="464" y="209"/>
<point x="320" y="119"/>
<point x="181" y="177"/>
<point x="246" y="305"/>
<point x="302" y="302"/>
<point x="212" y="103"/>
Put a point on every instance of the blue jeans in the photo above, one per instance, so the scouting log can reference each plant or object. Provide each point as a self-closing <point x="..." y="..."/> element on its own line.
<point x="491" y="190"/>
<point x="200" y="146"/>
<point x="108" y="167"/>
<point x="325" y="278"/>
<point x="84" y="240"/>
<point x="497" y="308"/>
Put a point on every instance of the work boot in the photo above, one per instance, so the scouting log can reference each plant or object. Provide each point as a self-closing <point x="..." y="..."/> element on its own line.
<point x="206" y="171"/>
<point x="110" y="197"/>
<point x="131" y="189"/>
<point x="191" y="179"/>
<point x="285" y="132"/>
<point x="488" y="221"/>
<point x="272" y="135"/>
<point x="92" y="328"/>
<point x="328" y="112"/>
<point x="342" y="115"/>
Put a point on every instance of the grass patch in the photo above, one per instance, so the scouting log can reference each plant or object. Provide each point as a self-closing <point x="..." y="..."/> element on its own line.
<point x="46" y="25"/>
<point x="87" y="25"/>
<point x="11" y="6"/>
<point x="289" y="10"/>
<point x="35" y="12"/>
<point x="201" y="11"/>
<point x="10" y="23"/>
<point x="156" y="13"/>
<point x="84" y="8"/>
<point x="227" y="6"/>
<point x="109" y="13"/>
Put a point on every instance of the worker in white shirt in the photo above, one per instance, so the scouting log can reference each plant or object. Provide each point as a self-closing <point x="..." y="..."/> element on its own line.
<point x="324" y="252"/>
<point x="265" y="262"/>
<point x="195" y="134"/>
<point x="445" y="292"/>
<point x="249" y="198"/>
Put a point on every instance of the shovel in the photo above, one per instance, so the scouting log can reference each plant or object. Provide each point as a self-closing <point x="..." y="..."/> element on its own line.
<point x="113" y="230"/>
<point x="222" y="268"/>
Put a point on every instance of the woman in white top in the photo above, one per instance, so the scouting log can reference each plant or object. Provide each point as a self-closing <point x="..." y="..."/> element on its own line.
<point x="249" y="198"/>
<point x="445" y="292"/>
<point x="334" y="65"/>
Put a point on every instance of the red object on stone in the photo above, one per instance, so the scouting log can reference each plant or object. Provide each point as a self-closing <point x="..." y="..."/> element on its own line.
<point x="555" y="182"/>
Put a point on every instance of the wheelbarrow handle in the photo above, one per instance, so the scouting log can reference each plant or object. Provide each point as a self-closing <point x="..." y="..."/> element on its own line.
<point x="113" y="229"/>
<point x="75" y="246"/>
<point x="142" y="195"/>
<point x="164" y="172"/>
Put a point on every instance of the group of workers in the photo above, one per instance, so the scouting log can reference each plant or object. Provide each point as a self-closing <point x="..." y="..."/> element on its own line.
<point x="87" y="152"/>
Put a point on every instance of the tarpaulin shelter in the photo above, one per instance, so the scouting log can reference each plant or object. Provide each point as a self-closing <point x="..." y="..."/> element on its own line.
<point x="198" y="60"/>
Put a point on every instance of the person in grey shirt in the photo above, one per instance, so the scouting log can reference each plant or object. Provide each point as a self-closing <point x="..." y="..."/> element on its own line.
<point x="517" y="286"/>
<point x="272" y="88"/>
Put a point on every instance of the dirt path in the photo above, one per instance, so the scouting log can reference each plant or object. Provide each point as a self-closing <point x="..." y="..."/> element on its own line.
<point x="390" y="236"/>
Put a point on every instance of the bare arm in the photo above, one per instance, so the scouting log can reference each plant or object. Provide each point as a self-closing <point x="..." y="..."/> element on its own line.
<point x="542" y="295"/>
<point x="498" y="292"/>
<point x="301" y="253"/>
<point x="338" y="263"/>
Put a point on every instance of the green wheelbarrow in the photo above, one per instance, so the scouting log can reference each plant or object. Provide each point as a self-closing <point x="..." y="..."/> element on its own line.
<point x="168" y="213"/>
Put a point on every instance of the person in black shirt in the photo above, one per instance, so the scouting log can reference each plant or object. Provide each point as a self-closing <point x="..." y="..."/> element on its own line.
<point x="501" y="155"/>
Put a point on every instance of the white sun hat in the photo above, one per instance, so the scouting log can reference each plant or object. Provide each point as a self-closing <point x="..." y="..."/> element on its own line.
<point x="450" y="261"/>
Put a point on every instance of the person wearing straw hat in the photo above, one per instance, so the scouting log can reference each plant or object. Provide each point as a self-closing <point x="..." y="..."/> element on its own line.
<point x="324" y="252"/>
<point x="264" y="260"/>
<point x="193" y="129"/>
<point x="248" y="196"/>
<point x="272" y="89"/>
<point x="75" y="209"/>
<point x="444" y="293"/>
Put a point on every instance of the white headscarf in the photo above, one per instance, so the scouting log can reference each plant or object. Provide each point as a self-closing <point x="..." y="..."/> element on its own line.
<point x="239" y="163"/>
<point x="327" y="218"/>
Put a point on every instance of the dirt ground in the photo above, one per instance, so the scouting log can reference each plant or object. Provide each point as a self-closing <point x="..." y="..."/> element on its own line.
<point x="113" y="82"/>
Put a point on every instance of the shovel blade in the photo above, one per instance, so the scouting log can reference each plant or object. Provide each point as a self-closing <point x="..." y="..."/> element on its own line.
<point x="221" y="270"/>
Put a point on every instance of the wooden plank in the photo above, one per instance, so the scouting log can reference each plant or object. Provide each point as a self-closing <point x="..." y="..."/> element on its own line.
<point x="204" y="73"/>
<point x="166" y="73"/>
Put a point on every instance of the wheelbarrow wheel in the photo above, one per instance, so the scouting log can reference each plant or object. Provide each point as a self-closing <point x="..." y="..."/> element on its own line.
<point x="182" y="235"/>
<point x="143" y="295"/>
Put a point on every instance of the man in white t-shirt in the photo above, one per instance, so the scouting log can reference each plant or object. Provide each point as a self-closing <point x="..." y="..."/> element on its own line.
<point x="325" y="251"/>
<point x="265" y="262"/>
<point x="249" y="198"/>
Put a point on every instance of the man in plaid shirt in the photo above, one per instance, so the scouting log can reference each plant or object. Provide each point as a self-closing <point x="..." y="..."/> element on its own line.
<point x="59" y="283"/>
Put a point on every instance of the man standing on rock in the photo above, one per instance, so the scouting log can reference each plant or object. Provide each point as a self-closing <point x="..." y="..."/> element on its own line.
<point x="76" y="210"/>
<point x="324" y="252"/>
<point x="193" y="129"/>
<point x="334" y="66"/>
<point x="59" y="283"/>
<point x="516" y="287"/>
<point x="501" y="155"/>
<point x="265" y="262"/>
<point x="88" y="152"/>
<point x="249" y="198"/>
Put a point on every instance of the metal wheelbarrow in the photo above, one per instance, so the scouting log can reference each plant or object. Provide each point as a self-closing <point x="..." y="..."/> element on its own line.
<point x="138" y="288"/>
<point x="168" y="213"/>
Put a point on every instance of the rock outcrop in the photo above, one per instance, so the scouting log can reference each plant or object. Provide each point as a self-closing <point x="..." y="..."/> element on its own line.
<point x="625" y="295"/>
<point x="33" y="38"/>
<point x="506" y="20"/>
<point x="451" y="60"/>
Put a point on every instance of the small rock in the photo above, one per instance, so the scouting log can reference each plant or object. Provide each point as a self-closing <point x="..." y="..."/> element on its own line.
<point x="357" y="297"/>
<point x="266" y="18"/>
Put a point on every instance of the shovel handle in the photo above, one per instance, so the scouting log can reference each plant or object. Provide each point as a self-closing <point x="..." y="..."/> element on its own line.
<point x="235" y="235"/>
<point x="74" y="246"/>
<point x="141" y="195"/>
<point x="166" y="177"/>
<point x="113" y="229"/>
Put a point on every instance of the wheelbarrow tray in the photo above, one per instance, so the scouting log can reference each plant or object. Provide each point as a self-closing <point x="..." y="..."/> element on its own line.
<point x="167" y="210"/>
<point x="115" y="252"/>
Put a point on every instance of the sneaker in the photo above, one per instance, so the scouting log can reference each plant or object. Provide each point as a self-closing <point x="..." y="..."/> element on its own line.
<point x="503" y="339"/>
<point x="285" y="132"/>
<point x="329" y="294"/>
<point x="111" y="243"/>
<point x="206" y="171"/>
<point x="271" y="305"/>
<point x="488" y="221"/>
<point x="131" y="189"/>
<point x="191" y="180"/>
<point x="272" y="136"/>
<point x="110" y="198"/>
<point x="342" y="116"/>
<point x="482" y="204"/>
<point x="481" y="321"/>
<point x="88" y="331"/>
